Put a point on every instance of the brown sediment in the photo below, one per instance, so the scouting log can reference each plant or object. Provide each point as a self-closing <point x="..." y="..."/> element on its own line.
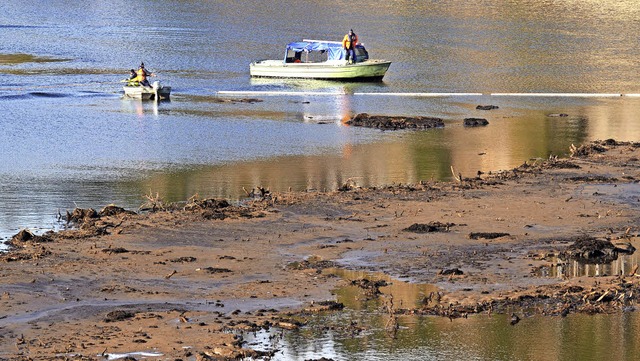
<point x="19" y="58"/>
<point x="177" y="278"/>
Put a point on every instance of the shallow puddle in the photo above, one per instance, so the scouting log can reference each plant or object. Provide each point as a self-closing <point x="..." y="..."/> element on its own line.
<point x="404" y="294"/>
<point x="361" y="332"/>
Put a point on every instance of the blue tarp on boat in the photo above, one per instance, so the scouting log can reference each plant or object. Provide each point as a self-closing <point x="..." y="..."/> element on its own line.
<point x="334" y="49"/>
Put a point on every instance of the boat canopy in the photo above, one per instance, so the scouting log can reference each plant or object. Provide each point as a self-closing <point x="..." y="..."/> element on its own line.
<point x="332" y="48"/>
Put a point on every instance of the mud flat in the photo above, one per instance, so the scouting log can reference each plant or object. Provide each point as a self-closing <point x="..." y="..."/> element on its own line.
<point x="176" y="279"/>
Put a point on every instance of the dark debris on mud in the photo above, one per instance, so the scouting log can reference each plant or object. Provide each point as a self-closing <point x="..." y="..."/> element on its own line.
<point x="310" y="264"/>
<point x="27" y="246"/>
<point x="429" y="227"/>
<point x="555" y="300"/>
<point x="487" y="235"/>
<point x="591" y="250"/>
<point x="385" y="122"/>
<point x="475" y="122"/>
<point x="118" y="315"/>
<point x="371" y="288"/>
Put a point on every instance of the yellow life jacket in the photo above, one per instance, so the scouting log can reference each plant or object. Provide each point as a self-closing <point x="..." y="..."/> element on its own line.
<point x="142" y="75"/>
<point x="349" y="41"/>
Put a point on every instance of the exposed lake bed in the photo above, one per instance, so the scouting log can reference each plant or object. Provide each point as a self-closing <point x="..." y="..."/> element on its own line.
<point x="281" y="209"/>
<point x="183" y="277"/>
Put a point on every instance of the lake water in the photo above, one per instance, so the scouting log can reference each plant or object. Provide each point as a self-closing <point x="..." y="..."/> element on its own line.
<point x="69" y="139"/>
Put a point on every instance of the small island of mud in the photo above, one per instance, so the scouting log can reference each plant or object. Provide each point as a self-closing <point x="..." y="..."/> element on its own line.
<point x="177" y="278"/>
<point x="385" y="122"/>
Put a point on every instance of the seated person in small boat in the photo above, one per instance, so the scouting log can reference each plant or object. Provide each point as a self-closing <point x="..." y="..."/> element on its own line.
<point x="142" y="75"/>
<point x="133" y="78"/>
<point x="349" y="45"/>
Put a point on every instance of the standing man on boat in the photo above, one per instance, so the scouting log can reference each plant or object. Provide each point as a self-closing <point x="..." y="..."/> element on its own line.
<point x="142" y="75"/>
<point x="349" y="45"/>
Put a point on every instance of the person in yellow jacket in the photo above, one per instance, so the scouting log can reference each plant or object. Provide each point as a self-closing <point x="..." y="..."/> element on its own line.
<point x="349" y="45"/>
<point x="142" y="75"/>
<point x="133" y="78"/>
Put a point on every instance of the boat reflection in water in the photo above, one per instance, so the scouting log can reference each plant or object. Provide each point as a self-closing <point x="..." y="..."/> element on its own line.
<point x="131" y="105"/>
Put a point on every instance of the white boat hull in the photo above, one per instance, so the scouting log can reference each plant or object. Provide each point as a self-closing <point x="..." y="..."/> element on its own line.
<point x="369" y="70"/>
<point x="158" y="92"/>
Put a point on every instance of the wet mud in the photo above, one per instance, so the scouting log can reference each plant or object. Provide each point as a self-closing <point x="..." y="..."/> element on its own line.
<point x="19" y="58"/>
<point x="180" y="279"/>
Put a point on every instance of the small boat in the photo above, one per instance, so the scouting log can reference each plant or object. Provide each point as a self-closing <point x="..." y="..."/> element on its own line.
<point x="154" y="92"/>
<point x="318" y="59"/>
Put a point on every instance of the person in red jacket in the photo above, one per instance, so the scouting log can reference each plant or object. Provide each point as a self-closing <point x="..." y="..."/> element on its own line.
<point x="349" y="45"/>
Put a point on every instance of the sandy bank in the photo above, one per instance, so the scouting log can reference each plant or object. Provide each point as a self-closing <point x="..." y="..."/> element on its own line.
<point x="174" y="280"/>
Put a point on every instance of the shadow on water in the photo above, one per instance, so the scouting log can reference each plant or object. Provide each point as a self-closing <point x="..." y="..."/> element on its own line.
<point x="39" y="94"/>
<point x="14" y="97"/>
<point x="48" y="95"/>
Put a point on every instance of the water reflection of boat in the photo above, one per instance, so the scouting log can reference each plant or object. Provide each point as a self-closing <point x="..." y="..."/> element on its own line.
<point x="315" y="59"/>
<point x="154" y="92"/>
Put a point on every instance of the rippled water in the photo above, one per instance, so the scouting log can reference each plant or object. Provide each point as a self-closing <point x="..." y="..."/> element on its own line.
<point x="67" y="138"/>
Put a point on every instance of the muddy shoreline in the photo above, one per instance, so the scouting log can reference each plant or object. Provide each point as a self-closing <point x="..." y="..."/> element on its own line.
<point x="176" y="278"/>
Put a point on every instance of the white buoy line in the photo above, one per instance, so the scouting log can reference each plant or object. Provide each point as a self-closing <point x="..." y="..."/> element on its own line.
<point x="434" y="95"/>
<point x="276" y="93"/>
<point x="561" y="95"/>
<point x="422" y="94"/>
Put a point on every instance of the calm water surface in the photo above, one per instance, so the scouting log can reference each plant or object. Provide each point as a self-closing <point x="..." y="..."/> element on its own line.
<point x="68" y="138"/>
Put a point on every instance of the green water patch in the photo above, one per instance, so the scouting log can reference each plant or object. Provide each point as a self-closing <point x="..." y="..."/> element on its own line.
<point x="20" y="58"/>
